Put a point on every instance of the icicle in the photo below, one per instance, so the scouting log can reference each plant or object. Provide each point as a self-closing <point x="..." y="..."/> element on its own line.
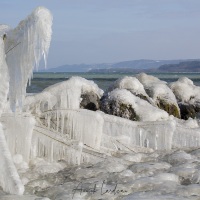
<point x="3" y="77"/>
<point x="140" y="138"/>
<point x="57" y="121"/>
<point x="48" y="121"/>
<point x="62" y="121"/>
<point x="158" y="134"/>
<point x="49" y="145"/>
<point x="186" y="137"/>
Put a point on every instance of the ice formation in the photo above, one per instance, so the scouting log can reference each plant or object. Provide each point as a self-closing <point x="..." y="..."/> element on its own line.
<point x="186" y="91"/>
<point x="18" y="128"/>
<point x="157" y="89"/>
<point x="24" y="47"/>
<point x="143" y="110"/>
<point x="131" y="84"/>
<point x="119" y="133"/>
<point x="9" y="178"/>
<point x="157" y="175"/>
<point x="61" y="96"/>
<point x="21" y="50"/>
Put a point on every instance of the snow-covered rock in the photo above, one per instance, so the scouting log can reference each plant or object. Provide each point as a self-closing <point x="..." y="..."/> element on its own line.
<point x="185" y="90"/>
<point x="188" y="110"/>
<point x="90" y="101"/>
<point x="64" y="95"/>
<point x="133" y="85"/>
<point x="123" y="103"/>
<point x="188" y="96"/>
<point x="160" y="93"/>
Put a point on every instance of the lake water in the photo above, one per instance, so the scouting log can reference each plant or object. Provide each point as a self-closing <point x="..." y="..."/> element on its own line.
<point x="42" y="80"/>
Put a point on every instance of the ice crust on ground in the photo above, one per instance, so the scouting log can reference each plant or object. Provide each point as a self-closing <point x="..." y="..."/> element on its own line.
<point x="156" y="175"/>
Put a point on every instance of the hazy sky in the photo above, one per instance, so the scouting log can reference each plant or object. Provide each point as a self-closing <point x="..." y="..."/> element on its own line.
<point x="96" y="31"/>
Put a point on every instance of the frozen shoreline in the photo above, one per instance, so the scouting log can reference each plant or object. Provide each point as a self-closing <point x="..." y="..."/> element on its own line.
<point x="136" y="140"/>
<point x="93" y="147"/>
<point x="159" y="175"/>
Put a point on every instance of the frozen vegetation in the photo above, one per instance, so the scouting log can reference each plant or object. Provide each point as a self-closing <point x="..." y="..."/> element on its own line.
<point x="21" y="50"/>
<point x="73" y="141"/>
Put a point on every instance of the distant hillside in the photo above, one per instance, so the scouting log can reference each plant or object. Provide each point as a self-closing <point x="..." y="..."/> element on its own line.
<point x="143" y="64"/>
<point x="127" y="66"/>
<point x="68" y="68"/>
<point x="136" y="66"/>
<point x="184" y="66"/>
<point x="187" y="66"/>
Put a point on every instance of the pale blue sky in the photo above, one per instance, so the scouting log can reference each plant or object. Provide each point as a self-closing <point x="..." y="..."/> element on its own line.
<point x="96" y="31"/>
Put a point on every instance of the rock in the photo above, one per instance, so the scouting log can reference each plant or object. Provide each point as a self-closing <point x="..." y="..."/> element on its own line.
<point x="188" y="110"/>
<point x="161" y="94"/>
<point x="188" y="96"/>
<point x="119" y="109"/>
<point x="122" y="103"/>
<point x="90" y="101"/>
<point x="185" y="91"/>
<point x="65" y="95"/>
<point x="170" y="108"/>
<point x="133" y="85"/>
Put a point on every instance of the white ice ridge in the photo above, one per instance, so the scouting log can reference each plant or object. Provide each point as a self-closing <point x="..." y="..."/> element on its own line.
<point x="24" y="47"/>
<point x="126" y="133"/>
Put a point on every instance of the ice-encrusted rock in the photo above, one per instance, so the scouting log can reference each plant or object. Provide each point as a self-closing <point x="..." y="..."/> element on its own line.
<point x="149" y="168"/>
<point x="64" y="95"/>
<point x="123" y="103"/>
<point x="188" y="110"/>
<point x="90" y="101"/>
<point x="160" y="93"/>
<point x="168" y="177"/>
<point x="178" y="157"/>
<point x="185" y="90"/>
<point x="188" y="96"/>
<point x="133" y="85"/>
